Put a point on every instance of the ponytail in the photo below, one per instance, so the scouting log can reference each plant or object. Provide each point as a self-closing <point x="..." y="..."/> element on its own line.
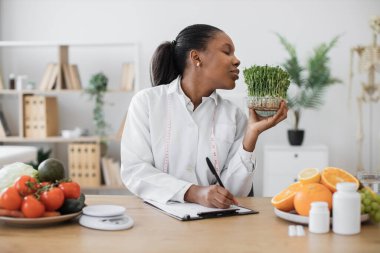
<point x="163" y="67"/>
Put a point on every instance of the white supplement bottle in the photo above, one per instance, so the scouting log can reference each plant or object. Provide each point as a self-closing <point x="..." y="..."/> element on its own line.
<point x="319" y="218"/>
<point x="346" y="209"/>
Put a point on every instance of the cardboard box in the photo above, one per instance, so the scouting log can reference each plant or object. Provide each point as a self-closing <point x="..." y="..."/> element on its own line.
<point x="84" y="163"/>
<point x="40" y="116"/>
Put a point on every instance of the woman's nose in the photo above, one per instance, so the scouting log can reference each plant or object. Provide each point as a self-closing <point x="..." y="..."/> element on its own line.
<point x="236" y="62"/>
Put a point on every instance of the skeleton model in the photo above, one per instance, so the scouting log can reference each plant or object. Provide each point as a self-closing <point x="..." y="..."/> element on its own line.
<point x="369" y="62"/>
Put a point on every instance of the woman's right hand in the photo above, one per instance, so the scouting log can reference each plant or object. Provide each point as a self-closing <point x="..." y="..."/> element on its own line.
<point x="210" y="196"/>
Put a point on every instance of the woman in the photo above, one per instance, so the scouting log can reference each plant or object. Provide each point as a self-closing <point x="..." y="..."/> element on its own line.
<point x="172" y="127"/>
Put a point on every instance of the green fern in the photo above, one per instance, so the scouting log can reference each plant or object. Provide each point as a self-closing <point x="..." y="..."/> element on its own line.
<point x="311" y="80"/>
<point x="291" y="65"/>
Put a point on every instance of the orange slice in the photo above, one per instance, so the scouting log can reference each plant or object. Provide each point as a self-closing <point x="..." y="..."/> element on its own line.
<point x="284" y="200"/>
<point x="330" y="176"/>
<point x="309" y="176"/>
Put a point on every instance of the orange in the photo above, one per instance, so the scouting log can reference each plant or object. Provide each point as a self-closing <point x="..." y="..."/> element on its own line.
<point x="310" y="193"/>
<point x="331" y="176"/>
<point x="309" y="175"/>
<point x="284" y="200"/>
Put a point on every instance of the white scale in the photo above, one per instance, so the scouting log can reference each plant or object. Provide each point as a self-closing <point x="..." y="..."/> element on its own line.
<point x="105" y="217"/>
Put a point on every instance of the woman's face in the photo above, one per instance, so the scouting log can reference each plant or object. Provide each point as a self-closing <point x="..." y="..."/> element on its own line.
<point x="219" y="64"/>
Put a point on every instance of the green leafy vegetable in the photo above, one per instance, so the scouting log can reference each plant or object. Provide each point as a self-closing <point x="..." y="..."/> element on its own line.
<point x="266" y="81"/>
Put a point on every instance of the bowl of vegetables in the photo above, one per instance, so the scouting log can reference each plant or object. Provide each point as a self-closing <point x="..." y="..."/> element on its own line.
<point x="266" y="88"/>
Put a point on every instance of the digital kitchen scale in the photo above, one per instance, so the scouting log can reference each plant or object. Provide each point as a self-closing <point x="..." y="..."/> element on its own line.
<point x="105" y="217"/>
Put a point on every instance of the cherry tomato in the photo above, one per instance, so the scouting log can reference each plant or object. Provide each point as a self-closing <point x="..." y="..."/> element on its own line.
<point x="52" y="198"/>
<point x="70" y="189"/>
<point x="32" y="207"/>
<point x="11" y="199"/>
<point x="26" y="185"/>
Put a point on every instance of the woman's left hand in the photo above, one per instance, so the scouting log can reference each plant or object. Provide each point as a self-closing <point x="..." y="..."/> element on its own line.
<point x="257" y="125"/>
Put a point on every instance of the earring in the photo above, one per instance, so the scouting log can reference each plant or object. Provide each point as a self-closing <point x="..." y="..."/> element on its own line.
<point x="198" y="64"/>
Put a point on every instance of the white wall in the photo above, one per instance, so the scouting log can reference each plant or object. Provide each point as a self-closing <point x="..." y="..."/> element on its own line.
<point x="250" y="23"/>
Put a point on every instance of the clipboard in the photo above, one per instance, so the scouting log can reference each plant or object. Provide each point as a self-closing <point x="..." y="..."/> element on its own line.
<point x="192" y="211"/>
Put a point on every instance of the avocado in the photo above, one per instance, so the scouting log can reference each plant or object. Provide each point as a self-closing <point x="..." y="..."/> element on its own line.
<point x="72" y="205"/>
<point x="51" y="170"/>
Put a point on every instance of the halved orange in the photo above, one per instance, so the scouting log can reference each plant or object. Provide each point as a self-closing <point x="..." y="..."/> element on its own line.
<point x="309" y="176"/>
<point x="330" y="176"/>
<point x="284" y="200"/>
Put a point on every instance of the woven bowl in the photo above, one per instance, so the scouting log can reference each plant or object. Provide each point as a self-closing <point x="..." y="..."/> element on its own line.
<point x="264" y="106"/>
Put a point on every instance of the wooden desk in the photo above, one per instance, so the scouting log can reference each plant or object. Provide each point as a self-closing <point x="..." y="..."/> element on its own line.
<point x="157" y="232"/>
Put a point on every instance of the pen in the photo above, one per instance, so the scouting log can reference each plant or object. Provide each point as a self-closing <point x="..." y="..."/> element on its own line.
<point x="213" y="171"/>
<point x="219" y="213"/>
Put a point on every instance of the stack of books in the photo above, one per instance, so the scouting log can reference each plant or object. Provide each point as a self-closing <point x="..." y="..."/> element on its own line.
<point x="111" y="172"/>
<point x="60" y="76"/>
<point x="4" y="130"/>
<point x="127" y="76"/>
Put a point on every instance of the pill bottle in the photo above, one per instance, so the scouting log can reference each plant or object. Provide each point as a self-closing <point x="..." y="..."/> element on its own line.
<point x="346" y="209"/>
<point x="319" y="218"/>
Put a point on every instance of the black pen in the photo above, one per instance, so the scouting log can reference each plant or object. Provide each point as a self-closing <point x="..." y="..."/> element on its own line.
<point x="213" y="171"/>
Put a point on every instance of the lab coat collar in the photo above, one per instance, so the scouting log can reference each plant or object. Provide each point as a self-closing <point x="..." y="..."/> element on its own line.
<point x="174" y="86"/>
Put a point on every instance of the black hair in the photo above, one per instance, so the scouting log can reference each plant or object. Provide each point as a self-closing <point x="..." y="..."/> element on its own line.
<point x="169" y="59"/>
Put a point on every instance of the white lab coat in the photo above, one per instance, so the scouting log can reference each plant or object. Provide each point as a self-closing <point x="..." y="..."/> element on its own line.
<point x="143" y="144"/>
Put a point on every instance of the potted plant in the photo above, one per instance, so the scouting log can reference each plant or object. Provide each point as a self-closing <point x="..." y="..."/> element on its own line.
<point x="310" y="82"/>
<point x="266" y="86"/>
<point x="96" y="89"/>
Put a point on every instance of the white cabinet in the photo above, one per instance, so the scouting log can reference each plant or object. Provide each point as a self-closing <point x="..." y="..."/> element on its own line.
<point x="282" y="164"/>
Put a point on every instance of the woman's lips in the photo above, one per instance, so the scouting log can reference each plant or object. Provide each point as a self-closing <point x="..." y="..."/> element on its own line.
<point x="235" y="73"/>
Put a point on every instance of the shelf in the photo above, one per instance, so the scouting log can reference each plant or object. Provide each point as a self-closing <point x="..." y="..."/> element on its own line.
<point x="60" y="73"/>
<point x="53" y="139"/>
<point x="53" y="92"/>
<point x="60" y="43"/>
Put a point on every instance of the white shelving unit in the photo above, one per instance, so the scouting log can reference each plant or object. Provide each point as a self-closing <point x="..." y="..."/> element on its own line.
<point x="91" y="56"/>
<point x="282" y="164"/>
<point x="14" y="45"/>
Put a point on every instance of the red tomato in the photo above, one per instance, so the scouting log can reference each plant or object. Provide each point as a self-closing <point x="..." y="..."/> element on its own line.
<point x="26" y="185"/>
<point x="70" y="189"/>
<point x="11" y="199"/>
<point x="32" y="207"/>
<point x="52" y="198"/>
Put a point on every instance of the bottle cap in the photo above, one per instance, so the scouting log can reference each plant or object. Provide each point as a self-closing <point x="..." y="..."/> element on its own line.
<point x="346" y="187"/>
